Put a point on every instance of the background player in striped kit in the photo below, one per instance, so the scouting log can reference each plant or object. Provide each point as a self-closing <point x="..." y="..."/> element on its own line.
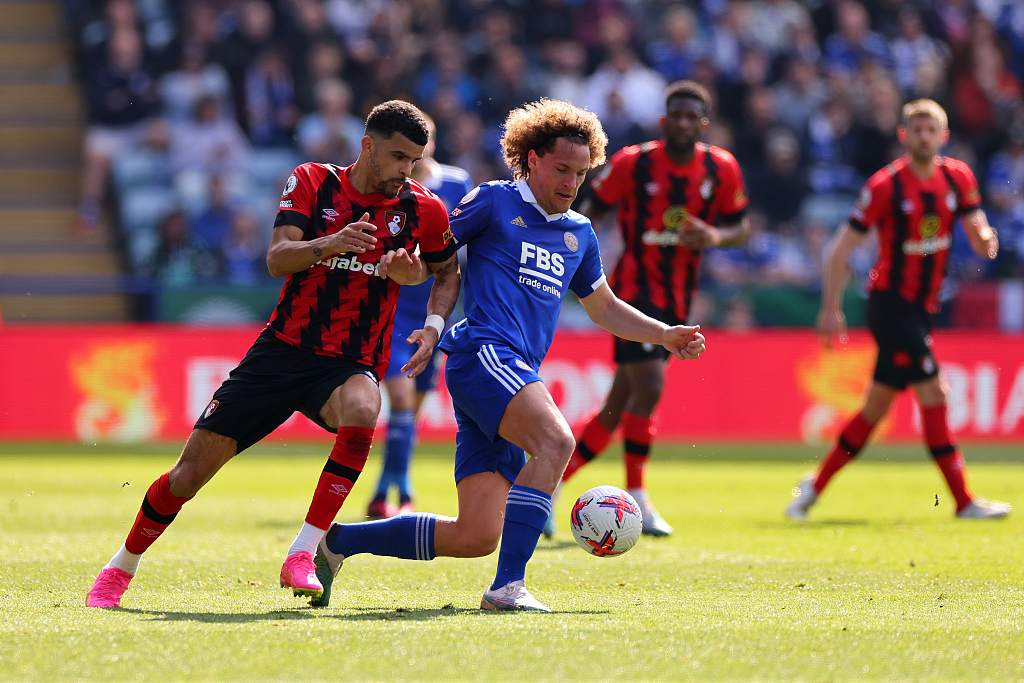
<point x="405" y="393"/>
<point x="912" y="204"/>
<point x="525" y="249"/>
<point x="338" y="233"/>
<point x="676" y="197"/>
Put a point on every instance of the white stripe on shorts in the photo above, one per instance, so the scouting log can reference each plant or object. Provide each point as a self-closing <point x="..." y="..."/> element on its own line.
<point x="490" y="361"/>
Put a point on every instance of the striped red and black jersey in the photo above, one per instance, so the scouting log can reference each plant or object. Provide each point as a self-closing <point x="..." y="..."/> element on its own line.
<point x="655" y="197"/>
<point x="914" y="219"/>
<point x="339" y="306"/>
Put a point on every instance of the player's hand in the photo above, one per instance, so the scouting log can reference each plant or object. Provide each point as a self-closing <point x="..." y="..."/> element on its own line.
<point x="355" y="237"/>
<point x="698" y="235"/>
<point x="831" y="324"/>
<point x="427" y="339"/>
<point x="402" y="266"/>
<point x="993" y="246"/>
<point x="685" y="342"/>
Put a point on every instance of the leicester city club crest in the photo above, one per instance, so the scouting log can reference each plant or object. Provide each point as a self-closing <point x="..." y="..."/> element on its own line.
<point x="571" y="241"/>
<point x="395" y="221"/>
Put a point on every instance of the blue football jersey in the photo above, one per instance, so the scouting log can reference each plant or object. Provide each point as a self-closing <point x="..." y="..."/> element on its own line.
<point x="450" y="185"/>
<point x="521" y="263"/>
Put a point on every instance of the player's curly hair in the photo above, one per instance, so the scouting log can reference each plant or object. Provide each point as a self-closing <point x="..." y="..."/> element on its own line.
<point x="690" y="89"/>
<point x="398" y="116"/>
<point x="538" y="125"/>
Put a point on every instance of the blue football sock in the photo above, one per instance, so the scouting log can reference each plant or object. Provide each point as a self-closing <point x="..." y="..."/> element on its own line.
<point x="526" y="511"/>
<point x="398" y="452"/>
<point x="409" y="537"/>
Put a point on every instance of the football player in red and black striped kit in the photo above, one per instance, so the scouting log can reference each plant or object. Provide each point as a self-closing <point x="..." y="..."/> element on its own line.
<point x="676" y="197"/>
<point x="345" y="238"/>
<point x="912" y="204"/>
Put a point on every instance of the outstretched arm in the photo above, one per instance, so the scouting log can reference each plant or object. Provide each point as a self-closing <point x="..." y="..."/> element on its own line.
<point x="698" y="235"/>
<point x="980" y="234"/>
<point x="443" y="295"/>
<point x="622" y="320"/>
<point x="831" y="321"/>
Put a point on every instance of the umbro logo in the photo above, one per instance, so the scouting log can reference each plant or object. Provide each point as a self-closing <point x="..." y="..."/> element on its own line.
<point x="150" y="533"/>
<point x="339" y="489"/>
<point x="330" y="214"/>
<point x="518" y="220"/>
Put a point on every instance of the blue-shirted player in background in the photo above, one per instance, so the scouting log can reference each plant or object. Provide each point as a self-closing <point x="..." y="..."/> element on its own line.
<point x="406" y="394"/>
<point x="525" y="250"/>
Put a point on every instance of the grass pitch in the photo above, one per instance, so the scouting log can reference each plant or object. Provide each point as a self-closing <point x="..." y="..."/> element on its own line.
<point x="881" y="585"/>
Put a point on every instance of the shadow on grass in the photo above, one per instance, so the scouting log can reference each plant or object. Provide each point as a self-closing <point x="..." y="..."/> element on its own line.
<point x="817" y="523"/>
<point x="361" y="614"/>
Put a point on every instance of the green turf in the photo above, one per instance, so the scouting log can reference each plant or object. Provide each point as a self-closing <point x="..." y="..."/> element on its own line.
<point x="882" y="585"/>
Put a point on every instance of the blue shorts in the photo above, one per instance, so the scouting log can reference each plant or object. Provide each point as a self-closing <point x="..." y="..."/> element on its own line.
<point x="402" y="351"/>
<point x="481" y="385"/>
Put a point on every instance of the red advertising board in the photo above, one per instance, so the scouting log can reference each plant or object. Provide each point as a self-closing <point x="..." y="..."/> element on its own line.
<point x="136" y="383"/>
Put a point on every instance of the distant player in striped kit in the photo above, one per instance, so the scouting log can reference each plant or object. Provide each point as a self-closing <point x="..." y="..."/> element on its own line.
<point x="405" y="393"/>
<point x="912" y="204"/>
<point x="345" y="239"/>
<point x="525" y="250"/>
<point x="676" y="197"/>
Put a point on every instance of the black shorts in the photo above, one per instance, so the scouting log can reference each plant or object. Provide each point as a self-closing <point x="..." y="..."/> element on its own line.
<point x="273" y="381"/>
<point x="903" y="333"/>
<point x="633" y="352"/>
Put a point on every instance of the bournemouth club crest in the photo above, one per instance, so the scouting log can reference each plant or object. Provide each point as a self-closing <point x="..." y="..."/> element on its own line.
<point x="395" y="221"/>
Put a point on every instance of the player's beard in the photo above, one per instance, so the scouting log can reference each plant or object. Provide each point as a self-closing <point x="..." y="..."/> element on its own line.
<point x="385" y="185"/>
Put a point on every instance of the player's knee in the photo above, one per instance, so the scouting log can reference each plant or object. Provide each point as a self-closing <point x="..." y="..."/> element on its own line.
<point x="362" y="414"/>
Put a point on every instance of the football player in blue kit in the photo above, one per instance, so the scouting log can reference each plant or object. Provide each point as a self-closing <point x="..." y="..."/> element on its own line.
<point x="405" y="393"/>
<point x="526" y="249"/>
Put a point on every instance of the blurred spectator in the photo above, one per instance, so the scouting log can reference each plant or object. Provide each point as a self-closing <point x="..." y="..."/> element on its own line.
<point x="728" y="36"/>
<point x="179" y="258"/>
<point x="912" y="48"/>
<point x="675" y="56"/>
<point x="270" y="109"/>
<point x="1005" y="190"/>
<point x="834" y="147"/>
<point x="123" y="103"/>
<point x="778" y="188"/>
<point x="253" y="35"/>
<point x="734" y="93"/>
<point x="567" y="60"/>
<point x="151" y="19"/>
<point x="180" y="90"/>
<point x="206" y="146"/>
<point x="772" y="22"/>
<point x="244" y="252"/>
<point x="331" y="134"/>
<point x="950" y="20"/>
<point x="752" y="134"/>
<point x="550" y="20"/>
<point x="212" y="224"/>
<point x="508" y="83"/>
<point x="622" y="87"/>
<point x="799" y="94"/>
<point x="854" y="41"/>
<point x="984" y="91"/>
<point x="447" y="71"/>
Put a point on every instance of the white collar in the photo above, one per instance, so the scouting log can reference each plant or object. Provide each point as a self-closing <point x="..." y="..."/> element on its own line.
<point x="528" y="197"/>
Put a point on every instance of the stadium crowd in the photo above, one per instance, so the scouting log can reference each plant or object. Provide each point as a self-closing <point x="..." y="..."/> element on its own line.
<point x="198" y="110"/>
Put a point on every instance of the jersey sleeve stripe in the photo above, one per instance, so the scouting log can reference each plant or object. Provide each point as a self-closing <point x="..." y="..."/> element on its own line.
<point x="443" y="255"/>
<point x="733" y="218"/>
<point x="857" y="225"/>
<point x="296" y="218"/>
<point x="598" y="282"/>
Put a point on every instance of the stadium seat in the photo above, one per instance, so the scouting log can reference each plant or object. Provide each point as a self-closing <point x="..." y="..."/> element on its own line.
<point x="138" y="168"/>
<point x="271" y="166"/>
<point x="142" y="208"/>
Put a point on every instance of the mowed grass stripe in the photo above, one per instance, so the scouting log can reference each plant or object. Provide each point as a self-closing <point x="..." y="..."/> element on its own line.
<point x="879" y="585"/>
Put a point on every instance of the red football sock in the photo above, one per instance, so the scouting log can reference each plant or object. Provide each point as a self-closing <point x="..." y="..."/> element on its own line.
<point x="348" y="457"/>
<point x="637" y="433"/>
<point x="945" y="453"/>
<point x="159" y="508"/>
<point x="850" y="442"/>
<point x="592" y="440"/>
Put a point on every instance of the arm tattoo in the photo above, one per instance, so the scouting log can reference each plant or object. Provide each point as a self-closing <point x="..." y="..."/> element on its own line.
<point x="317" y="252"/>
<point x="440" y="270"/>
<point x="445" y="305"/>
